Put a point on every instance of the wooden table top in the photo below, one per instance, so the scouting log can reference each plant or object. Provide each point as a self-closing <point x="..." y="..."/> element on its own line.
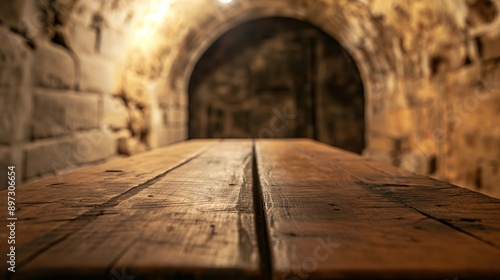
<point x="243" y="209"/>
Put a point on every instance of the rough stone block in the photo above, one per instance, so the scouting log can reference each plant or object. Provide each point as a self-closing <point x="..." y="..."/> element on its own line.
<point x="138" y="122"/>
<point x="115" y="114"/>
<point x="489" y="145"/>
<point x="97" y="75"/>
<point x="112" y="44"/>
<point x="394" y="123"/>
<point x="15" y="108"/>
<point x="456" y="56"/>
<point x="117" y="14"/>
<point x="48" y="157"/>
<point x="164" y="98"/>
<point x="11" y="11"/>
<point x="156" y="136"/>
<point x="172" y="114"/>
<point x="35" y="22"/>
<point x="381" y="143"/>
<point x="489" y="176"/>
<point x="130" y="146"/>
<point x="94" y="146"/>
<point x="169" y="135"/>
<point x="58" y="113"/>
<point x="177" y="115"/>
<point x="183" y="100"/>
<point x="464" y="77"/>
<point x="54" y="155"/>
<point x="490" y="77"/>
<point x="82" y="39"/>
<point x="136" y="88"/>
<point x="175" y="98"/>
<point x="84" y="11"/>
<point x="379" y="155"/>
<point x="176" y="133"/>
<point x="162" y="136"/>
<point x="490" y="47"/>
<point x="54" y="67"/>
<point x="15" y="59"/>
<point x="183" y="133"/>
<point x="122" y="133"/>
<point x="182" y="114"/>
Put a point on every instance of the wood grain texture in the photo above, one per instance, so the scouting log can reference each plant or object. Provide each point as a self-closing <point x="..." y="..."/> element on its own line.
<point x="326" y="221"/>
<point x="243" y="209"/>
<point x="51" y="209"/>
<point x="195" y="221"/>
<point x="476" y="214"/>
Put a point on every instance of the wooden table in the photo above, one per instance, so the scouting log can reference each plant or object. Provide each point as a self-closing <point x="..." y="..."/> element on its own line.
<point x="239" y="209"/>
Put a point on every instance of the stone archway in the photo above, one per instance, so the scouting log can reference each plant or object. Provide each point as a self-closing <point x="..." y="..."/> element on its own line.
<point x="278" y="77"/>
<point x="394" y="67"/>
<point x="373" y="64"/>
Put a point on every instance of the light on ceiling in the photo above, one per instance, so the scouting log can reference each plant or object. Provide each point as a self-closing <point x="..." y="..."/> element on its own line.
<point x="225" y="1"/>
<point x="155" y="14"/>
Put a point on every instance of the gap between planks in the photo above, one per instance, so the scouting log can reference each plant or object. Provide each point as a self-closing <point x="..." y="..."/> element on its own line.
<point x="263" y="238"/>
<point x="375" y="243"/>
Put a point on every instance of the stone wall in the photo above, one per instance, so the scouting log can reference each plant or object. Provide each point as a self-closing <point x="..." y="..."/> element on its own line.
<point x="60" y="86"/>
<point x="82" y="81"/>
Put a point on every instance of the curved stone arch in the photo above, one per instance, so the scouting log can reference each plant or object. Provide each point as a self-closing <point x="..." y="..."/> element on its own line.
<point x="180" y="82"/>
<point x="367" y="60"/>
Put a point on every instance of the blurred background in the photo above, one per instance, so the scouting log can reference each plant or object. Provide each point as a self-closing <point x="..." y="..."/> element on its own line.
<point x="415" y="84"/>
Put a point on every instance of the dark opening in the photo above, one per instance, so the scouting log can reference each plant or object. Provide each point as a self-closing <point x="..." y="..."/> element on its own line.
<point x="277" y="78"/>
<point x="433" y="165"/>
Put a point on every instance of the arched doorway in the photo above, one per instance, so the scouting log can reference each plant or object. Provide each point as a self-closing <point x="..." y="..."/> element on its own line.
<point x="278" y="77"/>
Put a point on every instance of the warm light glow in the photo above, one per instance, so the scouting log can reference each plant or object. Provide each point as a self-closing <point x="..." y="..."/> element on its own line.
<point x="156" y="13"/>
<point x="225" y="1"/>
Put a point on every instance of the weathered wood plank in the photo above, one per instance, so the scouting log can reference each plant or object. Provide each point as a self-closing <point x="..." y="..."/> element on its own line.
<point x="51" y="209"/>
<point x="471" y="212"/>
<point x="187" y="211"/>
<point x="326" y="223"/>
<point x="196" y="221"/>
